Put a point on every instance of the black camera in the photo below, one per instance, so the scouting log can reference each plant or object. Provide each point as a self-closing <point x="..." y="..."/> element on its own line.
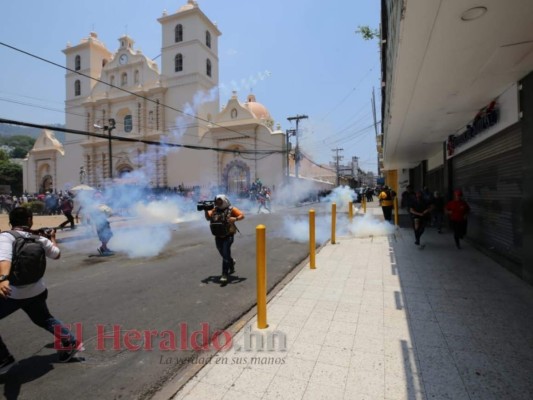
<point x="46" y="232"/>
<point x="205" y="205"/>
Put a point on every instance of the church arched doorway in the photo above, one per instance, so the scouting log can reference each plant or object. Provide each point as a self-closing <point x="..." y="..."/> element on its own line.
<point x="47" y="184"/>
<point x="237" y="177"/>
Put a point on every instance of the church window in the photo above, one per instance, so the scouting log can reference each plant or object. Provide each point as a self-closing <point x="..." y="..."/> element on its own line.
<point x="150" y="119"/>
<point x="207" y="39"/>
<point x="124" y="79"/>
<point x="208" y="67"/>
<point x="77" y="63"/>
<point x="178" y="63"/>
<point x="178" y="33"/>
<point x="128" y="123"/>
<point x="136" y="76"/>
<point x="77" y="88"/>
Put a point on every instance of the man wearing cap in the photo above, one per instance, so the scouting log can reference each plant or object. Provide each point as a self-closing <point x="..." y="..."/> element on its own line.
<point x="457" y="210"/>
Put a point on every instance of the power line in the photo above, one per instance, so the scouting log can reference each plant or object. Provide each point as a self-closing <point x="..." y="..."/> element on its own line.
<point x="134" y="140"/>
<point x="125" y="90"/>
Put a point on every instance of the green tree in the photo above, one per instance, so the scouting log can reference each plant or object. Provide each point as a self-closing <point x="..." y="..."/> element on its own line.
<point x="21" y="144"/>
<point x="10" y="173"/>
<point x="3" y="156"/>
<point x="368" y="33"/>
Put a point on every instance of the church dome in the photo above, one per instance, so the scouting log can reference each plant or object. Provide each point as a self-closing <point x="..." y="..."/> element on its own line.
<point x="259" y="110"/>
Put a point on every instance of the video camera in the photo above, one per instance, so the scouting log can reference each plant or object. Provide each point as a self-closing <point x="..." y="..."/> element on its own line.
<point x="46" y="232"/>
<point x="205" y="205"/>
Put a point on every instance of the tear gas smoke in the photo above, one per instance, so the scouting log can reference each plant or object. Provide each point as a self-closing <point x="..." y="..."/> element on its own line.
<point x="341" y="196"/>
<point x="370" y="226"/>
<point x="245" y="83"/>
<point x="297" y="229"/>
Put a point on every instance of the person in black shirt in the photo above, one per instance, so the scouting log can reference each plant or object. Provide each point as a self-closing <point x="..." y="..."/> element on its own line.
<point x="420" y="210"/>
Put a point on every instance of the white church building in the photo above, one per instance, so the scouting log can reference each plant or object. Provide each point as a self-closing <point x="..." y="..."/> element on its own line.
<point x="124" y="95"/>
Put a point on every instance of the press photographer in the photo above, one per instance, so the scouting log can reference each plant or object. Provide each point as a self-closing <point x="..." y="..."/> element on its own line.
<point x="222" y="217"/>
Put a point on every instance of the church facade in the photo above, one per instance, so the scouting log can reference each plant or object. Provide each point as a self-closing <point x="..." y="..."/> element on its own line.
<point x="159" y="128"/>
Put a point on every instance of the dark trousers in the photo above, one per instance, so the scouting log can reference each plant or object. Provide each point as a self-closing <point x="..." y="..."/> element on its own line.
<point x="37" y="310"/>
<point x="459" y="230"/>
<point x="421" y="222"/>
<point x="387" y="212"/>
<point x="224" y="248"/>
<point x="70" y="219"/>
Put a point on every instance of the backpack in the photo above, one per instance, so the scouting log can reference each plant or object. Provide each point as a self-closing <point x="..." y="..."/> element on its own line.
<point x="28" y="261"/>
<point x="220" y="225"/>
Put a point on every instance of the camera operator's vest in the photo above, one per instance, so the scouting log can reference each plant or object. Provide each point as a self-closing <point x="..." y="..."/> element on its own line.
<point x="220" y="225"/>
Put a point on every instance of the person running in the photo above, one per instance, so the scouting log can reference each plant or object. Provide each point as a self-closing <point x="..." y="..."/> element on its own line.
<point x="67" y="205"/>
<point x="264" y="200"/>
<point x="458" y="210"/>
<point x="222" y="220"/>
<point x="98" y="214"/>
<point x="420" y="211"/>
<point x="31" y="297"/>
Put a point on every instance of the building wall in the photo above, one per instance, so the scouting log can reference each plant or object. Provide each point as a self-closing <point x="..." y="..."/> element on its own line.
<point x="526" y="106"/>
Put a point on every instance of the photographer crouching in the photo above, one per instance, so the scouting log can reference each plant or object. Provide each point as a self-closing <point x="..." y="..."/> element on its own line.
<point x="222" y="216"/>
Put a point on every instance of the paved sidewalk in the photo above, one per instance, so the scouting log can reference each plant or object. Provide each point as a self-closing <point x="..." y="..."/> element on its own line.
<point x="381" y="319"/>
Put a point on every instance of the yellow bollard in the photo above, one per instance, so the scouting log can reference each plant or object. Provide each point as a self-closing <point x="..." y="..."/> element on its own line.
<point x="312" y="241"/>
<point x="364" y="204"/>
<point x="350" y="210"/>
<point x="333" y="221"/>
<point x="396" y="211"/>
<point x="261" y="276"/>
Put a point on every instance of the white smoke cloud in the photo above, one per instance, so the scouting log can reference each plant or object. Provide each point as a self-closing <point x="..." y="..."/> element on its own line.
<point x="341" y="196"/>
<point x="369" y="225"/>
<point x="297" y="229"/>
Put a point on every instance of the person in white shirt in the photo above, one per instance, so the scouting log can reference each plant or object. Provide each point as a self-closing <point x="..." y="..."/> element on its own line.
<point x="31" y="298"/>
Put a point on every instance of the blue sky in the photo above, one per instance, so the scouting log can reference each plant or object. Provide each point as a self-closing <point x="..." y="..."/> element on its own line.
<point x="297" y="56"/>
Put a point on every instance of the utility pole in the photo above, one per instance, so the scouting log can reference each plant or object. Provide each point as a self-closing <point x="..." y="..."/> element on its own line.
<point x="297" y="149"/>
<point x="337" y="159"/>
<point x="376" y="125"/>
<point x="288" y="134"/>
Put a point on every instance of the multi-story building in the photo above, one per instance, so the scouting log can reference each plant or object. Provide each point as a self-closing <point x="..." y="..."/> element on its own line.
<point x="125" y="94"/>
<point x="457" y="112"/>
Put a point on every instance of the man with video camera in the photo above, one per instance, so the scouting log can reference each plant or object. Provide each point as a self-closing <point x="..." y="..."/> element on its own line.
<point x="222" y="217"/>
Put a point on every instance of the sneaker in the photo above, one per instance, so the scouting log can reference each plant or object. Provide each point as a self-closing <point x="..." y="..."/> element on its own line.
<point x="100" y="251"/>
<point x="108" y="252"/>
<point x="232" y="268"/>
<point x="6" y="364"/>
<point x="224" y="278"/>
<point x="66" y="355"/>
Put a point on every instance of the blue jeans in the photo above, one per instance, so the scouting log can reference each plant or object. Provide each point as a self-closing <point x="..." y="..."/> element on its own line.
<point x="37" y="310"/>
<point x="224" y="248"/>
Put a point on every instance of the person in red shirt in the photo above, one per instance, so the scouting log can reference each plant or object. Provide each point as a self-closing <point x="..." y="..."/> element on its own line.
<point x="457" y="210"/>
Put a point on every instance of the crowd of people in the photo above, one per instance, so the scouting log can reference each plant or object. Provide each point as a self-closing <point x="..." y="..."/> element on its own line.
<point x="427" y="208"/>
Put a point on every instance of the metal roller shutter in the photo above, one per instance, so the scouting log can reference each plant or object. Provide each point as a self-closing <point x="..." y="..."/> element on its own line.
<point x="491" y="176"/>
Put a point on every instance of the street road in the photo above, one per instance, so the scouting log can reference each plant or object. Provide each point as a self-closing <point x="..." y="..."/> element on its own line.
<point x="119" y="294"/>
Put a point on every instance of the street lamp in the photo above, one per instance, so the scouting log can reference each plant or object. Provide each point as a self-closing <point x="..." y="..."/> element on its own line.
<point x="108" y="129"/>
